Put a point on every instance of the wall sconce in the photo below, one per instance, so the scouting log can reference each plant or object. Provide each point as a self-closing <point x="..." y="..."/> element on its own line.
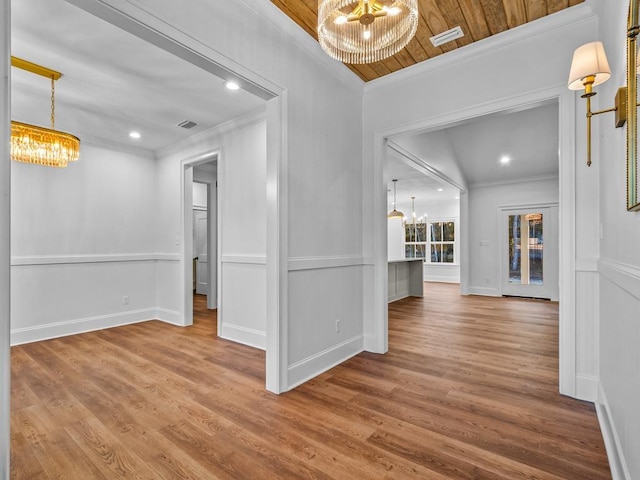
<point x="590" y="68"/>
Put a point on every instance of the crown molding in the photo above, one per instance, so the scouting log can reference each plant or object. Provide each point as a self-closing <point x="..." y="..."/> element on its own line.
<point x="557" y="21"/>
<point x="514" y="181"/>
<point x="266" y="10"/>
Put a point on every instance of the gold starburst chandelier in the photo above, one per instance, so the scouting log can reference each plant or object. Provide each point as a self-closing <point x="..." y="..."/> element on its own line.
<point x="39" y="145"/>
<point x="366" y="31"/>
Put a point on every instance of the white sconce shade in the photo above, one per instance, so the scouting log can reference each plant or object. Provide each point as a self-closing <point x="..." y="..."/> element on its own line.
<point x="589" y="60"/>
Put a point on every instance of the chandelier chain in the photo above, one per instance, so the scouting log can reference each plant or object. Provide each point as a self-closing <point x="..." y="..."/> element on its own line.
<point x="53" y="104"/>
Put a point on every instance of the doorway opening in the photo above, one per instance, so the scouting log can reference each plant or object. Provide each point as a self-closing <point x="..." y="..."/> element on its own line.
<point x="480" y="249"/>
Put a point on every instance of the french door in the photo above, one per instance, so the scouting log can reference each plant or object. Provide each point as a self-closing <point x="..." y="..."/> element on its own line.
<point x="530" y="252"/>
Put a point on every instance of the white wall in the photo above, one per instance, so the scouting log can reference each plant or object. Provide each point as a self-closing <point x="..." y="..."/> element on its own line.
<point x="618" y="269"/>
<point x="485" y="233"/>
<point x="83" y="239"/>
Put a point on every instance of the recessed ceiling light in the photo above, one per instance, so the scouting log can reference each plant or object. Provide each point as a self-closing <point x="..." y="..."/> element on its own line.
<point x="457" y="198"/>
<point x="440" y="189"/>
<point x="505" y="159"/>
<point x="135" y="135"/>
<point x="231" y="85"/>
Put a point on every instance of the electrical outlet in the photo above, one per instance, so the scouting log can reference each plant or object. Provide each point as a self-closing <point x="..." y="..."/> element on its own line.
<point x="338" y="326"/>
<point x="125" y="300"/>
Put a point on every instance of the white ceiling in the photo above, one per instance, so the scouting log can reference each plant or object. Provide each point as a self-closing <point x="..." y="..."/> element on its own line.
<point x="529" y="137"/>
<point x="113" y="82"/>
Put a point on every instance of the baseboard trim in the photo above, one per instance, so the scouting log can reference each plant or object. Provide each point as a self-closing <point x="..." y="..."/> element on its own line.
<point x="484" y="291"/>
<point x="617" y="463"/>
<point x="243" y="335"/>
<point x="587" y="388"/>
<point x="172" y="317"/>
<point x="312" y="366"/>
<point x="38" y="333"/>
<point x="441" y="279"/>
<point x="395" y="298"/>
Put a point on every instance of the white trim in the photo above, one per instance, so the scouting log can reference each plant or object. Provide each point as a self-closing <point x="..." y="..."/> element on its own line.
<point x="514" y="181"/>
<point x="246" y="336"/>
<point x="314" y="365"/>
<point x="440" y="279"/>
<point x="245" y="259"/>
<point x="567" y="238"/>
<point x="313" y="263"/>
<point x="19" y="261"/>
<point x="485" y="291"/>
<point x="527" y="206"/>
<point x="625" y="276"/>
<point x="81" y="325"/>
<point x="168" y="316"/>
<point x="567" y="204"/>
<point x="421" y="165"/>
<point x="541" y="27"/>
<point x="615" y="453"/>
<point x="585" y="264"/>
<point x="587" y="388"/>
<point x="5" y="237"/>
<point x="277" y="343"/>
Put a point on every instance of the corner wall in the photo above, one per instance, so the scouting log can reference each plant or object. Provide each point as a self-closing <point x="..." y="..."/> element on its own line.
<point x="618" y="269"/>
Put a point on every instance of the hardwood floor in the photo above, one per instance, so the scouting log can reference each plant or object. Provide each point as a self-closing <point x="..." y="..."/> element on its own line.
<point x="468" y="390"/>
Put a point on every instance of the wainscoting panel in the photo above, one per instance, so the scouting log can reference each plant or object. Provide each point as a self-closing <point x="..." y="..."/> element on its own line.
<point x="242" y="316"/>
<point x="63" y="296"/>
<point x="620" y="366"/>
<point x="325" y="326"/>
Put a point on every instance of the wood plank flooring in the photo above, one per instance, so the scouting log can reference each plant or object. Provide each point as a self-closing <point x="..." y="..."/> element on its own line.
<point x="468" y="390"/>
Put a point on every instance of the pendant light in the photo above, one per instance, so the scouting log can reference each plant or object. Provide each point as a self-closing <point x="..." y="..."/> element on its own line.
<point x="366" y="31"/>
<point x="395" y="213"/>
<point x="39" y="145"/>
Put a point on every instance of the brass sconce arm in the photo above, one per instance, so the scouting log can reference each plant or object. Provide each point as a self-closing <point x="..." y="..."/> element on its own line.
<point x="620" y="108"/>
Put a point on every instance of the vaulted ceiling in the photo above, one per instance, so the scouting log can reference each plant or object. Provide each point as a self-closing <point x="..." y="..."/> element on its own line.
<point x="477" y="18"/>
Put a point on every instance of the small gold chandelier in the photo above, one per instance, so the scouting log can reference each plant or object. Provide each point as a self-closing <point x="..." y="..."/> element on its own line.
<point x="39" y="145"/>
<point x="365" y="31"/>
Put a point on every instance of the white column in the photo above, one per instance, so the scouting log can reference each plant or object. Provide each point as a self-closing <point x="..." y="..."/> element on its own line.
<point x="5" y="235"/>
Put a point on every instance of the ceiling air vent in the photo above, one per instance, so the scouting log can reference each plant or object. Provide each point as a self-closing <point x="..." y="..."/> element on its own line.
<point x="447" y="36"/>
<point x="187" y="124"/>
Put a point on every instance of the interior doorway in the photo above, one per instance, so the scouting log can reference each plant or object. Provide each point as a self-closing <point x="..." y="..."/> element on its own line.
<point x="474" y="245"/>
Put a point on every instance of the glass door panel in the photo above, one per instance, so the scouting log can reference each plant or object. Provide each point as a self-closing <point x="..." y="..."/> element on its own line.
<point x="526" y="249"/>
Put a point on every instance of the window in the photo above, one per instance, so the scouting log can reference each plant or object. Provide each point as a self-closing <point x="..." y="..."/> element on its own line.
<point x="442" y="241"/>
<point x="434" y="241"/>
<point x="415" y="240"/>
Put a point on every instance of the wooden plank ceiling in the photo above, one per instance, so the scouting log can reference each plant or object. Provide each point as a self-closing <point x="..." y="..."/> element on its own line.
<point x="477" y="18"/>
